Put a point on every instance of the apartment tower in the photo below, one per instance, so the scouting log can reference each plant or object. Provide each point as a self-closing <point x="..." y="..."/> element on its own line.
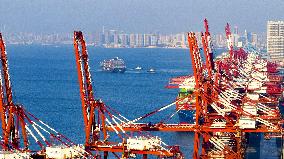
<point x="275" y="40"/>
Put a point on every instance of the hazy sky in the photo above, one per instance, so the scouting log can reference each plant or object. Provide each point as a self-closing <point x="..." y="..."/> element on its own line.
<point x="166" y="16"/>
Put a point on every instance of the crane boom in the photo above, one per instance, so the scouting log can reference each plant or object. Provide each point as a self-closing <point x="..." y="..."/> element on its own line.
<point x="2" y="104"/>
<point x="5" y="72"/>
<point x="11" y="117"/>
<point x="208" y="49"/>
<point x="95" y="126"/>
<point x="85" y="83"/>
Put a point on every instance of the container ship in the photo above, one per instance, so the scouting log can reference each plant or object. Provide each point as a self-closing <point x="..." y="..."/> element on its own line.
<point x="186" y="85"/>
<point x="115" y="65"/>
<point x="184" y="106"/>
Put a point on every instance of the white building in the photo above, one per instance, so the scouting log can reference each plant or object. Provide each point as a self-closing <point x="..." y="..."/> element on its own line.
<point x="132" y="40"/>
<point x="153" y="40"/>
<point x="147" y="40"/>
<point x="139" y="40"/>
<point x="275" y="40"/>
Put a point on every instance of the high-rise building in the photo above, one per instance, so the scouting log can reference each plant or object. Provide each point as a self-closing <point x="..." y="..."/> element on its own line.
<point x="115" y="39"/>
<point x="106" y="37"/>
<point x="235" y="39"/>
<point x="153" y="40"/>
<point x="147" y="40"/>
<point x="97" y="38"/>
<point x="275" y="40"/>
<point x="140" y="40"/>
<point x="123" y="38"/>
<point x="246" y="37"/>
<point x="165" y="39"/>
<point x="180" y="40"/>
<point x="220" y="40"/>
<point x="236" y="30"/>
<point x="132" y="40"/>
<point x="254" y="39"/>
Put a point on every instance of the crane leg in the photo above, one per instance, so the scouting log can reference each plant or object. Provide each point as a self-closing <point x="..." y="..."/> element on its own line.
<point x="144" y="156"/>
<point x="105" y="154"/>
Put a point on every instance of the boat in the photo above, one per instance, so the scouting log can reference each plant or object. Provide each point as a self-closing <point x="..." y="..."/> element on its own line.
<point x="151" y="70"/>
<point x="115" y="65"/>
<point x="138" y="68"/>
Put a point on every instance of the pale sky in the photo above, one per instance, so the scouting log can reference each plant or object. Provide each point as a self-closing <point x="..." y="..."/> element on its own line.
<point x="139" y="16"/>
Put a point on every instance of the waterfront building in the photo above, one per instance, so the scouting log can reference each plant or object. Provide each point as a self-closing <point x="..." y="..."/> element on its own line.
<point x="254" y="40"/>
<point x="115" y="39"/>
<point x="220" y="40"/>
<point x="153" y="40"/>
<point x="236" y="30"/>
<point x="180" y="40"/>
<point x="245" y="37"/>
<point x="132" y="40"/>
<point x="235" y="39"/>
<point x="275" y="40"/>
<point x="106" y="37"/>
<point x="140" y="40"/>
<point x="147" y="40"/>
<point x="123" y="40"/>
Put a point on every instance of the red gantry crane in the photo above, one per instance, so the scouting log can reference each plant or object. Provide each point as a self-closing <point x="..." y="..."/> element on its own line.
<point x="21" y="129"/>
<point x="10" y="113"/>
<point x="237" y="93"/>
<point x="97" y="116"/>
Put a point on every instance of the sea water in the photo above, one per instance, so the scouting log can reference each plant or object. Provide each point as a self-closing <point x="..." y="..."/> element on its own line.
<point x="44" y="79"/>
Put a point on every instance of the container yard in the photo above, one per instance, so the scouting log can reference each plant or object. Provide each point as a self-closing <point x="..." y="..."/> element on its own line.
<point x="226" y="100"/>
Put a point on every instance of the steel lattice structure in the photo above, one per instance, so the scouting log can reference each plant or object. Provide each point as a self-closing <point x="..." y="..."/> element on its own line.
<point x="96" y="115"/>
<point x="235" y="94"/>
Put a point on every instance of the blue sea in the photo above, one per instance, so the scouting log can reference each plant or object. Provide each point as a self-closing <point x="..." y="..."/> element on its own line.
<point x="44" y="80"/>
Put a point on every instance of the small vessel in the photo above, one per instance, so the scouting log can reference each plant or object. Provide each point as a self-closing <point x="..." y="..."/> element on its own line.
<point x="115" y="65"/>
<point x="151" y="70"/>
<point x="138" y="68"/>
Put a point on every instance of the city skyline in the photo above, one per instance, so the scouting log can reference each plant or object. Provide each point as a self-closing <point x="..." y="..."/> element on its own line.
<point x="121" y="39"/>
<point x="5" y="29"/>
